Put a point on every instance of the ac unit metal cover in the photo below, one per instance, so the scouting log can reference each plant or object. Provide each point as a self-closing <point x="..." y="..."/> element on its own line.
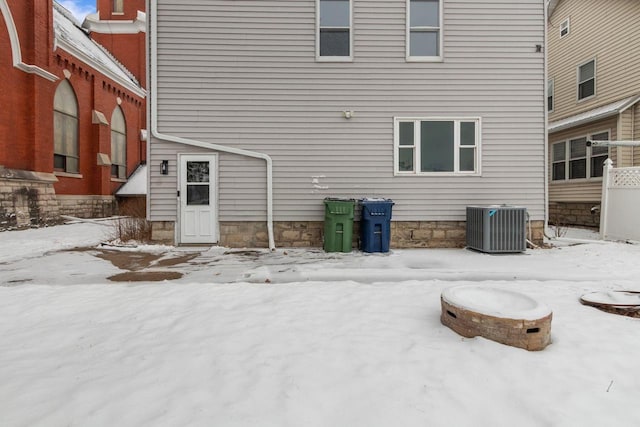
<point x="497" y="228"/>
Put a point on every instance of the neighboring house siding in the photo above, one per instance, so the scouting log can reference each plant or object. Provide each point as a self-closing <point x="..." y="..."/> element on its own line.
<point x="244" y="74"/>
<point x="625" y="154"/>
<point x="636" y="135"/>
<point x="581" y="190"/>
<point x="607" y="31"/>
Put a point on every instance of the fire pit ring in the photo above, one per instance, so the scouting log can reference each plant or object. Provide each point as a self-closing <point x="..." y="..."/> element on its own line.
<point x="500" y="315"/>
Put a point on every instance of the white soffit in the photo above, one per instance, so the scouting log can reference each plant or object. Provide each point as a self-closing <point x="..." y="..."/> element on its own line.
<point x="94" y="24"/>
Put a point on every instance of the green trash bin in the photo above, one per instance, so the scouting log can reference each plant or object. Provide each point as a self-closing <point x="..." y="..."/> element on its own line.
<point x="338" y="224"/>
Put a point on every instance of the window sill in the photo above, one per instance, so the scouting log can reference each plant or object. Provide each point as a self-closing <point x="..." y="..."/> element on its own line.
<point x="437" y="174"/>
<point x="334" y="58"/>
<point x="588" y="98"/>
<point x="577" y="181"/>
<point x="118" y="180"/>
<point x="68" y="175"/>
<point x="424" y="59"/>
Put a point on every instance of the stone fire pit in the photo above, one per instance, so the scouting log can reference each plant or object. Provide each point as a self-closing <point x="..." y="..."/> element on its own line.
<point x="500" y="315"/>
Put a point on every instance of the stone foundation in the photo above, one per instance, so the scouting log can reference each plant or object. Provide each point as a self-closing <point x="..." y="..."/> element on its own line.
<point x="87" y="206"/>
<point x="163" y="232"/>
<point x="309" y="234"/>
<point x="580" y="214"/>
<point x="27" y="199"/>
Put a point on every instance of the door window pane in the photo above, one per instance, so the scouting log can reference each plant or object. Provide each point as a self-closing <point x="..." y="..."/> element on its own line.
<point x="437" y="146"/>
<point x="197" y="195"/>
<point x="197" y="171"/>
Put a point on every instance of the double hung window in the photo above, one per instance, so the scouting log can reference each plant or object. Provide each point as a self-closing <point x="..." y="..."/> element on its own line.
<point x="334" y="34"/>
<point x="573" y="159"/>
<point x="587" y="80"/>
<point x="437" y="146"/>
<point x="424" y="30"/>
<point x="550" y="95"/>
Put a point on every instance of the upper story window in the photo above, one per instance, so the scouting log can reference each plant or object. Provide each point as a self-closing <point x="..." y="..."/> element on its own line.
<point x="564" y="28"/>
<point x="334" y="34"/>
<point x="65" y="129"/>
<point x="118" y="144"/>
<point x="573" y="159"/>
<point x="436" y="146"/>
<point x="118" y="6"/>
<point x="424" y="30"/>
<point x="587" y="79"/>
<point x="550" y="95"/>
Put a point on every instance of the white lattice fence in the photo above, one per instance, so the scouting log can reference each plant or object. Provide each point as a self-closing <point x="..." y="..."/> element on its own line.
<point x="620" y="210"/>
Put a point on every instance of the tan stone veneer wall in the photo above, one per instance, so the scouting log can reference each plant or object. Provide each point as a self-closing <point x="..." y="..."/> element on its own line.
<point x="572" y="213"/>
<point x="404" y="234"/>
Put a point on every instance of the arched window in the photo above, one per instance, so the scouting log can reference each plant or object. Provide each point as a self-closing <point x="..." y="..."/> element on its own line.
<point x="65" y="129"/>
<point x="118" y="144"/>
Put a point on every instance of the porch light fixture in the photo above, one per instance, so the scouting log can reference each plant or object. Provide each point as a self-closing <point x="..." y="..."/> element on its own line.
<point x="164" y="167"/>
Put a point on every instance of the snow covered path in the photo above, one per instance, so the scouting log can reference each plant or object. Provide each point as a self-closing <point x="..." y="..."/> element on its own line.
<point x="328" y="340"/>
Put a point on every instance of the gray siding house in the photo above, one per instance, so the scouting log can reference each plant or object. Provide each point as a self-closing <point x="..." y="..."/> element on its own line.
<point x="259" y="109"/>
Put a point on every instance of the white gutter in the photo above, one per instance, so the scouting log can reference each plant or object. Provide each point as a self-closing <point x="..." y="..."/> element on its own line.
<point x="546" y="120"/>
<point x="153" y="71"/>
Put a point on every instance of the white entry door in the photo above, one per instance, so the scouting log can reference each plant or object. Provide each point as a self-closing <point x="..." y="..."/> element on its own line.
<point x="198" y="199"/>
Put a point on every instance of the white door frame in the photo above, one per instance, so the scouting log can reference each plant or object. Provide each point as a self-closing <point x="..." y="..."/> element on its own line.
<point x="212" y="234"/>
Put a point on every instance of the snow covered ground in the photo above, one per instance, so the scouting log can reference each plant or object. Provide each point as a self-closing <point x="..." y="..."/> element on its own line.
<point x="304" y="338"/>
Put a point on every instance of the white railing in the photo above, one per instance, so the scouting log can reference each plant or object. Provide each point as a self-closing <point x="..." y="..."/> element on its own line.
<point x="620" y="210"/>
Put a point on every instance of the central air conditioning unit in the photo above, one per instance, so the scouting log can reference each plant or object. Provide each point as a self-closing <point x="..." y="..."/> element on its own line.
<point x="497" y="228"/>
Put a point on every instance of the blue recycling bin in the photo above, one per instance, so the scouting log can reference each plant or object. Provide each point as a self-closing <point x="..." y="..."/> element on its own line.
<point x="375" y="227"/>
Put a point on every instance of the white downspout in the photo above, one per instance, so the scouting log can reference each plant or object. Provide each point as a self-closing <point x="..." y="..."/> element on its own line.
<point x="152" y="6"/>
<point x="546" y="120"/>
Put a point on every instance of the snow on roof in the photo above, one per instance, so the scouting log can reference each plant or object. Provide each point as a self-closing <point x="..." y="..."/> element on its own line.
<point x="593" y="115"/>
<point x="136" y="185"/>
<point x="71" y="36"/>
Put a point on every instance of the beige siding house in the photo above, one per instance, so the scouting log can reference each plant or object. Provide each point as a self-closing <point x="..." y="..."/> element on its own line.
<point x="593" y="93"/>
<point x="261" y="109"/>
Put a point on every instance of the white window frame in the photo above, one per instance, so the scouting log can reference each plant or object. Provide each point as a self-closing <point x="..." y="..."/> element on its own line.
<point x="567" y="158"/>
<point x="550" y="87"/>
<point x="595" y="87"/>
<point x="565" y="25"/>
<point x="416" y="146"/>
<point x="440" y="30"/>
<point x="334" y="58"/>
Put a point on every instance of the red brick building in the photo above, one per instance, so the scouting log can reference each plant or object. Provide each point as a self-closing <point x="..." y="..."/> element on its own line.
<point x="72" y="117"/>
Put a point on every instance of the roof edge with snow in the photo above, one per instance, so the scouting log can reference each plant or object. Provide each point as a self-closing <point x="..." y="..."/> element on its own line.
<point x="593" y="115"/>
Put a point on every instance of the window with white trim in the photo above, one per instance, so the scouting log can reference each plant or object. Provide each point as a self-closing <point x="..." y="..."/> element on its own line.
<point x="564" y="28"/>
<point x="118" y="144"/>
<point x="587" y="80"/>
<point x="573" y="159"/>
<point x="436" y="146"/>
<point x="424" y="30"/>
<point x="550" y="95"/>
<point x="334" y="34"/>
<point x="65" y="129"/>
